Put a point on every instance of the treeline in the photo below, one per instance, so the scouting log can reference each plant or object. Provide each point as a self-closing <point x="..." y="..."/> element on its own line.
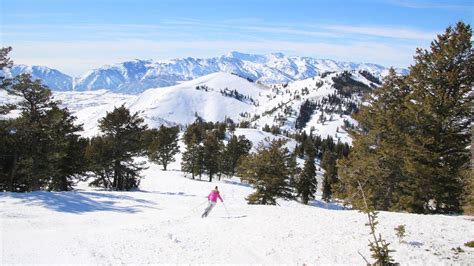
<point x="273" y="170"/>
<point x="411" y="152"/>
<point x="206" y="152"/>
<point x="346" y="86"/>
<point x="327" y="152"/>
<point x="238" y="96"/>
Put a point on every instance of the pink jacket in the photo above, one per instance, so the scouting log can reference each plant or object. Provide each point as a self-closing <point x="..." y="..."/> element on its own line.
<point x="214" y="195"/>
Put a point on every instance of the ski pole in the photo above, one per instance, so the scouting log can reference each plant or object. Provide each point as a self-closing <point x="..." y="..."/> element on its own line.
<point x="228" y="215"/>
<point x="198" y="205"/>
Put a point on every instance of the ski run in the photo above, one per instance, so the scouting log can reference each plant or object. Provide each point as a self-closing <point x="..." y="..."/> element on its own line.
<point x="161" y="223"/>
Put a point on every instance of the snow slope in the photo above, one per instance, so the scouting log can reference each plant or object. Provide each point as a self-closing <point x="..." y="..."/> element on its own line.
<point x="179" y="104"/>
<point x="277" y="105"/>
<point x="283" y="106"/>
<point x="161" y="223"/>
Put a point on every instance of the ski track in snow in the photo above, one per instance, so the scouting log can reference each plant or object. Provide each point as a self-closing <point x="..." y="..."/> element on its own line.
<point x="160" y="223"/>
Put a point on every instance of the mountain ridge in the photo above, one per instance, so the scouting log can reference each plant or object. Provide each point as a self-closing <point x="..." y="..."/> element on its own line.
<point x="136" y="76"/>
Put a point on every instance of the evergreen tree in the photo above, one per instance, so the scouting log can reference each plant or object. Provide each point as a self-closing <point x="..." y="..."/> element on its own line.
<point x="328" y="163"/>
<point x="236" y="148"/>
<point x="376" y="159"/>
<point x="30" y="167"/>
<point x="192" y="160"/>
<point x="100" y="161"/>
<point x="411" y="152"/>
<point x="441" y="108"/>
<point x="120" y="143"/>
<point x="307" y="183"/>
<point x="212" y="155"/>
<point x="41" y="147"/>
<point x="66" y="153"/>
<point x="271" y="170"/>
<point x="164" y="146"/>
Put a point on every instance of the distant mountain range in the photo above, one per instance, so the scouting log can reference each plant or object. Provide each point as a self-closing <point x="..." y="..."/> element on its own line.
<point x="136" y="76"/>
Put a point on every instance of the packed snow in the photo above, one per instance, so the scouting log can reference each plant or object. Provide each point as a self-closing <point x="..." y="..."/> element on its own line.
<point x="161" y="223"/>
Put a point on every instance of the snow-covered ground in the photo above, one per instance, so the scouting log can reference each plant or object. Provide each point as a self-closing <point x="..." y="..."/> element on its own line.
<point x="161" y="223"/>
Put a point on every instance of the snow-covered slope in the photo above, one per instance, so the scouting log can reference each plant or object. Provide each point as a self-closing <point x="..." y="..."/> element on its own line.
<point x="218" y="96"/>
<point x="161" y="223"/>
<point x="282" y="107"/>
<point x="204" y="96"/>
<point x="133" y="77"/>
<point x="90" y="106"/>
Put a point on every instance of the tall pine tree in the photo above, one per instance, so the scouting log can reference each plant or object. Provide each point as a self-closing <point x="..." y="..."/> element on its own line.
<point x="113" y="153"/>
<point x="164" y="145"/>
<point x="272" y="171"/>
<point x="411" y="152"/>
<point x="307" y="183"/>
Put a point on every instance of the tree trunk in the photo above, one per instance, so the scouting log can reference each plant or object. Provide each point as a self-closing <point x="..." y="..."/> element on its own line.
<point x="13" y="172"/>
<point x="116" y="185"/>
<point x="64" y="184"/>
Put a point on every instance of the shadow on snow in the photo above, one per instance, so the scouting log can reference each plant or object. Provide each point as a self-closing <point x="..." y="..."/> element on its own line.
<point x="169" y="193"/>
<point x="82" y="202"/>
<point x="326" y="205"/>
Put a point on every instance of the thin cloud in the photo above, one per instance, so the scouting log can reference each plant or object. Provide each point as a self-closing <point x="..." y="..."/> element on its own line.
<point x="448" y="5"/>
<point x="110" y="52"/>
<point x="398" y="33"/>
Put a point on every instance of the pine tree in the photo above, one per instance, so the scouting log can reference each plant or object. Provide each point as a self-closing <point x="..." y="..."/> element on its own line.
<point x="120" y="143"/>
<point x="272" y="171"/>
<point x="307" y="183"/>
<point x="163" y="146"/>
<point x="410" y="153"/>
<point x="100" y="161"/>
<point x="192" y="160"/>
<point x="32" y="142"/>
<point x="441" y="111"/>
<point x="66" y="152"/>
<point x="5" y="62"/>
<point x="212" y="155"/>
<point x="236" y="148"/>
<point x="376" y="158"/>
<point x="42" y="148"/>
<point x="328" y="163"/>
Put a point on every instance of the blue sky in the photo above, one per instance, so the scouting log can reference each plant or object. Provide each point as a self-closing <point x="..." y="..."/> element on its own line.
<point x="77" y="35"/>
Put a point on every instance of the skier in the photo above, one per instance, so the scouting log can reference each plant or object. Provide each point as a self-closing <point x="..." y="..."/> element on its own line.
<point x="212" y="198"/>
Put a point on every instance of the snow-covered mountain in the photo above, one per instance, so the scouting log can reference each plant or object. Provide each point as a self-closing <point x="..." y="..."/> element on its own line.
<point x="138" y="75"/>
<point x="213" y="97"/>
<point x="134" y="77"/>
<point x="52" y="78"/>
<point x="221" y="95"/>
